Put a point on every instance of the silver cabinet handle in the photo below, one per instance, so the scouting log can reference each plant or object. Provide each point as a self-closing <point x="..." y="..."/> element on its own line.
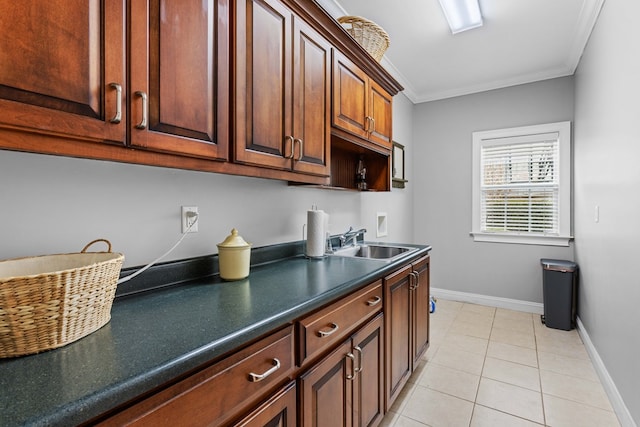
<point x="353" y="373"/>
<point x="323" y="334"/>
<point x="374" y="301"/>
<point x="412" y="281"/>
<point x="367" y="124"/>
<point x="254" y="378"/>
<point x="373" y="125"/>
<point x="143" y="122"/>
<point x="359" y="351"/>
<point x="118" y="117"/>
<point x="301" y="142"/>
<point x="417" y="275"/>
<point x="293" y="142"/>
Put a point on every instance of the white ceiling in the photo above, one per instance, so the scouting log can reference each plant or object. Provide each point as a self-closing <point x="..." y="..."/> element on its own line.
<point x="522" y="41"/>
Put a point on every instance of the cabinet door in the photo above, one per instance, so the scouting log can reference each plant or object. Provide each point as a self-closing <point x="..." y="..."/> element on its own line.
<point x="278" y="411"/>
<point x="421" y="309"/>
<point x="263" y="84"/>
<point x="62" y="64"/>
<point x="325" y="390"/>
<point x="398" y="318"/>
<point x="311" y="100"/>
<point x="179" y="77"/>
<point x="368" y="394"/>
<point x="350" y="96"/>
<point x="380" y="111"/>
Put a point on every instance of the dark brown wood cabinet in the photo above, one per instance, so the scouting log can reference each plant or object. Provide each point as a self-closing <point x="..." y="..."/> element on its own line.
<point x="282" y="90"/>
<point x="278" y="411"/>
<point x="329" y="326"/>
<point x="368" y="391"/>
<point x="342" y="364"/>
<point x="218" y="394"/>
<point x="406" y="323"/>
<point x="381" y="112"/>
<point x="179" y="90"/>
<point x="421" y="296"/>
<point x="183" y="85"/>
<point x="62" y="72"/>
<point x="361" y="107"/>
<point x="346" y="387"/>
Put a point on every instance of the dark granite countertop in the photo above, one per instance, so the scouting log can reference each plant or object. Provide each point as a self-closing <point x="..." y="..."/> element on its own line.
<point x="157" y="335"/>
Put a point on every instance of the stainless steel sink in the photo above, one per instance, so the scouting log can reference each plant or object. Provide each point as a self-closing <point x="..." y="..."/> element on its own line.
<point x="383" y="252"/>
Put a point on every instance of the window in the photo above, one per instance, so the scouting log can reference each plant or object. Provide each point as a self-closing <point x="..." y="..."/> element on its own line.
<point x="522" y="185"/>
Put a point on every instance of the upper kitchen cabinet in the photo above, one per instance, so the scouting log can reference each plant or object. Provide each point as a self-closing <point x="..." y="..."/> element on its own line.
<point x="361" y="107"/>
<point x="179" y="65"/>
<point x="282" y="90"/>
<point x="62" y="73"/>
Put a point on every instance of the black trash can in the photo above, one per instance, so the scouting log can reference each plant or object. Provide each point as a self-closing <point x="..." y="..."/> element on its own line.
<point x="559" y="288"/>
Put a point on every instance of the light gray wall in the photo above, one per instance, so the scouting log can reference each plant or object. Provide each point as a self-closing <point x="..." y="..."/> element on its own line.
<point x="442" y="198"/>
<point x="607" y="175"/>
<point x="51" y="204"/>
<point x="398" y="204"/>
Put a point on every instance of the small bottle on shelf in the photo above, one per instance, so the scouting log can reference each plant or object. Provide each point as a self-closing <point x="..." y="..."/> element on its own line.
<point x="361" y="175"/>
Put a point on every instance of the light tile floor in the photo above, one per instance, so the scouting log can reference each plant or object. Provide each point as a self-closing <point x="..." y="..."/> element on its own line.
<point x="492" y="367"/>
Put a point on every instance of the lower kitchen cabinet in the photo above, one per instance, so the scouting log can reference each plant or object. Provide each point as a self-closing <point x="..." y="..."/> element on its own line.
<point x="346" y="387"/>
<point x="219" y="393"/>
<point x="278" y="411"/>
<point x="345" y="365"/>
<point x="406" y="308"/>
<point x="421" y="297"/>
<point x="368" y="391"/>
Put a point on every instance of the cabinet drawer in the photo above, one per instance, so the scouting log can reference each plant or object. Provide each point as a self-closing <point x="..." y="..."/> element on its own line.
<point x="218" y="393"/>
<point x="319" y="331"/>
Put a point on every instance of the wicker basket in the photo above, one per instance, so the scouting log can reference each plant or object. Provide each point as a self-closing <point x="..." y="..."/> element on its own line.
<point x="368" y="34"/>
<point x="49" y="301"/>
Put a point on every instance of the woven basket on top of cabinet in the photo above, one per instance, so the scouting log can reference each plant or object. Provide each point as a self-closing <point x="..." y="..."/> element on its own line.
<point x="373" y="38"/>
<point x="49" y="301"/>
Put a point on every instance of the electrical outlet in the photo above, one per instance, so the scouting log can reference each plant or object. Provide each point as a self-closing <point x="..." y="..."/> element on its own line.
<point x="188" y="219"/>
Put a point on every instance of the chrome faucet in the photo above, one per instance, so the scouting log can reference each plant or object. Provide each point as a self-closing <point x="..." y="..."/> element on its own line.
<point x="351" y="236"/>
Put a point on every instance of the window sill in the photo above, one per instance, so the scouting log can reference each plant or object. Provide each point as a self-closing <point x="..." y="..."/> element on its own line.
<point x="522" y="239"/>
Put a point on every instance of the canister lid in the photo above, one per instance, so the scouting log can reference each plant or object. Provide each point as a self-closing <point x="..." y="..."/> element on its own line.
<point x="233" y="240"/>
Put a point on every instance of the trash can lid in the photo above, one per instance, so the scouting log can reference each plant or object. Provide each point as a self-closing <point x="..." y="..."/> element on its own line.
<point x="559" y="265"/>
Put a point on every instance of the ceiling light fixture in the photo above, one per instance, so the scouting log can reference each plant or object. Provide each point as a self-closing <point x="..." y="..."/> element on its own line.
<point x="462" y="15"/>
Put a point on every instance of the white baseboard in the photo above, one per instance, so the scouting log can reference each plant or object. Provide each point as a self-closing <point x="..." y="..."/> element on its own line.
<point x="511" y="304"/>
<point x="621" y="410"/>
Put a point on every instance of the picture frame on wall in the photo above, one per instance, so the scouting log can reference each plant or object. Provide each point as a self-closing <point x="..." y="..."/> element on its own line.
<point x="398" y="168"/>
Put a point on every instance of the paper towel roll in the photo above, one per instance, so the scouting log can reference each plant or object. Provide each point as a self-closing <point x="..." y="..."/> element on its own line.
<point x="316" y="225"/>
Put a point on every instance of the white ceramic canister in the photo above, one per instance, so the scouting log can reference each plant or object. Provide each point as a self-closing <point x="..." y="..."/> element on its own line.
<point x="234" y="256"/>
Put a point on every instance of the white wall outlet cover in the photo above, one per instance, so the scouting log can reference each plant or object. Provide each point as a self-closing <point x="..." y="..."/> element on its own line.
<point x="188" y="219"/>
<point x="381" y="224"/>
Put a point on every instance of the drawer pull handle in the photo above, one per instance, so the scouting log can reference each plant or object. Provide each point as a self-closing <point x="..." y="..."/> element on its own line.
<point x="359" y="351"/>
<point x="143" y="122"/>
<point x="354" y="371"/>
<point x="323" y="334"/>
<point x="301" y="153"/>
<point x="374" y="301"/>
<point x="254" y="378"/>
<point x="293" y="142"/>
<point x="118" y="117"/>
<point x="413" y="281"/>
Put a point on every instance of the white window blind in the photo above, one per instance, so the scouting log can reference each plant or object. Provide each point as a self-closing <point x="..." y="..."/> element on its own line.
<point x="522" y="185"/>
<point x="519" y="190"/>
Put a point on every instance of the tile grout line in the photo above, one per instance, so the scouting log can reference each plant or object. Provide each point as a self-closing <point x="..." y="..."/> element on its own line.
<point x="535" y="340"/>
